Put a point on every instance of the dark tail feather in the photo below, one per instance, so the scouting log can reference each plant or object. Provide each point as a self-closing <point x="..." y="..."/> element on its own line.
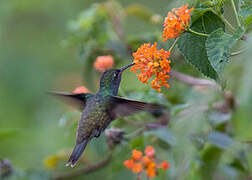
<point x="78" y="150"/>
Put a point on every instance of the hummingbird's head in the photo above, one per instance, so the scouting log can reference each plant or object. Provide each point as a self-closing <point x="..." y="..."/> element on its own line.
<point x="111" y="79"/>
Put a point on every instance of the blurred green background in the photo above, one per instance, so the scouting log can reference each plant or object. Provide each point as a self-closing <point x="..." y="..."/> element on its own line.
<point x="35" y="59"/>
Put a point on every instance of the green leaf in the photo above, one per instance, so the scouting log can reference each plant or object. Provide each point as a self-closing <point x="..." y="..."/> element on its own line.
<point x="246" y="15"/>
<point x="219" y="139"/>
<point x="210" y="158"/>
<point x="93" y="23"/>
<point x="178" y="108"/>
<point x="218" y="47"/>
<point x="198" y="12"/>
<point x="218" y="118"/>
<point x="192" y="46"/>
<point x="162" y="133"/>
<point x="245" y="3"/>
<point x="137" y="143"/>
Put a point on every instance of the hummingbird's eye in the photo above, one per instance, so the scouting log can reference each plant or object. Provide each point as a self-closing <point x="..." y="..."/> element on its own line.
<point x="115" y="74"/>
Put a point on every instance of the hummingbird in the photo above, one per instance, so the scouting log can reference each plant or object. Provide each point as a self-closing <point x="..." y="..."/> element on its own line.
<point x="100" y="109"/>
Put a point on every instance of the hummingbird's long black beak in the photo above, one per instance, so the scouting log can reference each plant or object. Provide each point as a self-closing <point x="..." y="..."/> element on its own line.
<point x="126" y="67"/>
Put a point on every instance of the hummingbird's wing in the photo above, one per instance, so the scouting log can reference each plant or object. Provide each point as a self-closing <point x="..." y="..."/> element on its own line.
<point x="124" y="107"/>
<point x="76" y="100"/>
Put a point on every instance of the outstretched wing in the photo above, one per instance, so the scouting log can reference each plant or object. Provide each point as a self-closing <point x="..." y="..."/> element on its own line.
<point x="76" y="100"/>
<point x="124" y="107"/>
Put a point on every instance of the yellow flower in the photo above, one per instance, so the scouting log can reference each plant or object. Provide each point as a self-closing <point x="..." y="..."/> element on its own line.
<point x="51" y="162"/>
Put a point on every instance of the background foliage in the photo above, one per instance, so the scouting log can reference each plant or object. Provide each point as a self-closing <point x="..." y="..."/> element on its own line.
<point x="47" y="45"/>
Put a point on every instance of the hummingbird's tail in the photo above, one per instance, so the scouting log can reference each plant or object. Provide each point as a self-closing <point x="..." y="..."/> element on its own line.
<point x="78" y="150"/>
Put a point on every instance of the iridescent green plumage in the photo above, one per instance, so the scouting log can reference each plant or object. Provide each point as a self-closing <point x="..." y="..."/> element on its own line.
<point x="98" y="110"/>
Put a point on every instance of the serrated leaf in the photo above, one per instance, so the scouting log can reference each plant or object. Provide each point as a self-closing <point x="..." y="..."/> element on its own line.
<point x="192" y="46"/>
<point x="219" y="139"/>
<point x="162" y="133"/>
<point x="218" y="46"/>
<point x="246" y="14"/>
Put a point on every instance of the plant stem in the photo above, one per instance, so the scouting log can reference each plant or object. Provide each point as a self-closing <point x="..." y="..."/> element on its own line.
<point x="224" y="20"/>
<point x="192" y="80"/>
<point x="227" y="23"/>
<point x="173" y="44"/>
<point x="135" y="133"/>
<point x="84" y="170"/>
<point x="235" y="12"/>
<point x="238" y="52"/>
<point x="197" y="33"/>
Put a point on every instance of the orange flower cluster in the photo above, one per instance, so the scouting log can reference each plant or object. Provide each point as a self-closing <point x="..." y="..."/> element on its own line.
<point x="103" y="63"/>
<point x="176" y="22"/>
<point x="80" y="89"/>
<point x="152" y="62"/>
<point x="137" y="163"/>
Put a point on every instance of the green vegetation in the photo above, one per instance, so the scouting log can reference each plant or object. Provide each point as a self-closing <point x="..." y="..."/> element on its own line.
<point x="205" y="130"/>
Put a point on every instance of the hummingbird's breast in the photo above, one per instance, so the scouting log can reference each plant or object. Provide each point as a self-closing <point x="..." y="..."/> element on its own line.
<point x="94" y="118"/>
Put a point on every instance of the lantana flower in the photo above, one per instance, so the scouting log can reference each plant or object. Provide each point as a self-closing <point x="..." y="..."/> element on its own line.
<point x="136" y="155"/>
<point x="139" y="163"/>
<point x="176" y="22"/>
<point x="152" y="65"/>
<point x="103" y="63"/>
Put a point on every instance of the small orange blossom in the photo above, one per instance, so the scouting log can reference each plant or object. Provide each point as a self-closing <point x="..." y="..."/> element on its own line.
<point x="103" y="63"/>
<point x="146" y="160"/>
<point x="129" y="163"/>
<point x="151" y="169"/>
<point x="136" y="155"/>
<point x="149" y="62"/>
<point x="176" y="22"/>
<point x="80" y="89"/>
<point x="149" y="151"/>
<point x="165" y="165"/>
<point x="137" y="168"/>
<point x="137" y="163"/>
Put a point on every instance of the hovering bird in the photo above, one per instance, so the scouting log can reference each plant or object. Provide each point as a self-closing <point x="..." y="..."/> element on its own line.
<point x="99" y="109"/>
